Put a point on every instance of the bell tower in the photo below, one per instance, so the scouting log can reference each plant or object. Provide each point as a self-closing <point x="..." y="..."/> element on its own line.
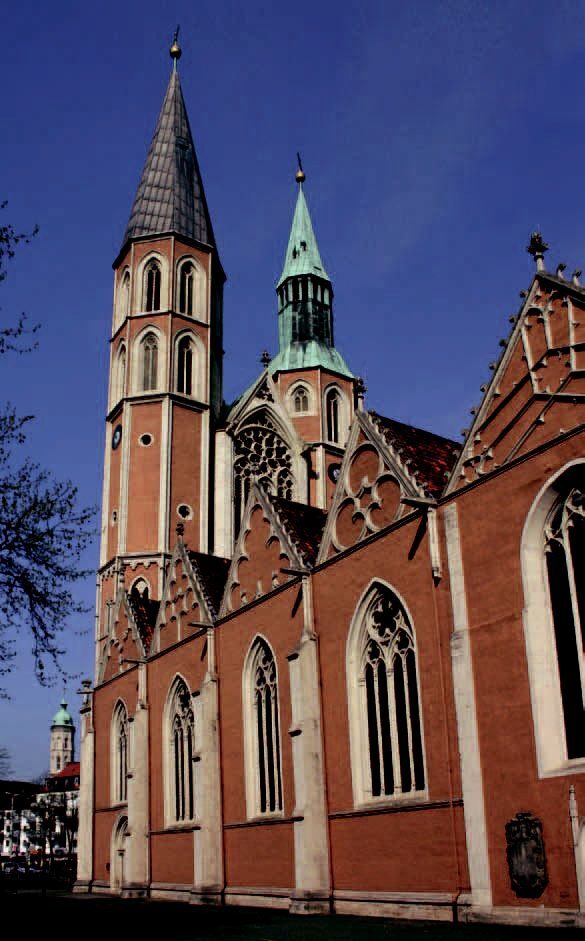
<point x="312" y="375"/>
<point x="165" y="383"/>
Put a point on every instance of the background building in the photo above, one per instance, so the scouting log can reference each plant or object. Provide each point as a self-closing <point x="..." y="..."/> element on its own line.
<point x="339" y="659"/>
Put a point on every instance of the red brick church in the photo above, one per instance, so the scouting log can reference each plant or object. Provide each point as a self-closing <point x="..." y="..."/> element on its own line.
<point x="339" y="660"/>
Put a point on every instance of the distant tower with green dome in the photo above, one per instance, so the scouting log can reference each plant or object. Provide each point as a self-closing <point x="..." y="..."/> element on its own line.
<point x="62" y="739"/>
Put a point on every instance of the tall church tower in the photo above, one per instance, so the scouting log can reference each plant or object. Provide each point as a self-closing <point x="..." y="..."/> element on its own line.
<point x="62" y="739"/>
<point x="165" y="366"/>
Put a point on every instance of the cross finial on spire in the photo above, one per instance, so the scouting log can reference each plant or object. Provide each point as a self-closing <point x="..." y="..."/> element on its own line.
<point x="265" y="358"/>
<point x="175" y="51"/>
<point x="300" y="174"/>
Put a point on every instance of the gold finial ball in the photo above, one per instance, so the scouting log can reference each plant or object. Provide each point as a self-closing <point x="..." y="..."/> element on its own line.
<point x="175" y="50"/>
<point x="300" y="176"/>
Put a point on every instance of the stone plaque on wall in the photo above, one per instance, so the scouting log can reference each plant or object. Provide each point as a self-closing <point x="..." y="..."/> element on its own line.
<point x="526" y="856"/>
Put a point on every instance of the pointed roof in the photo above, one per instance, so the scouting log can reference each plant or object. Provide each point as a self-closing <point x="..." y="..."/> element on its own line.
<point x="170" y="195"/>
<point x="302" y="254"/>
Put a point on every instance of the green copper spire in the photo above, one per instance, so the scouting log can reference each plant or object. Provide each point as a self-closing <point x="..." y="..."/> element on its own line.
<point x="305" y="298"/>
<point x="302" y="255"/>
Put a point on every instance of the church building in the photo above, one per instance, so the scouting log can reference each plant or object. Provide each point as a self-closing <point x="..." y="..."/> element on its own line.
<point x="339" y="660"/>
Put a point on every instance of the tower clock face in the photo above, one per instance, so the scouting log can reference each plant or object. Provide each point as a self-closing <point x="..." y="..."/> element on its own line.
<point x="116" y="437"/>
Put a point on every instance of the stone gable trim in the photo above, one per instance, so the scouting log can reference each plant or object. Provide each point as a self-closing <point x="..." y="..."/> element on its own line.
<point x="257" y="497"/>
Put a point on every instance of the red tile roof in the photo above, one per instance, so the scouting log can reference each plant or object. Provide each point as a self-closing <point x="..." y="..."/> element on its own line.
<point x="69" y="771"/>
<point x="304" y="524"/>
<point x="430" y="457"/>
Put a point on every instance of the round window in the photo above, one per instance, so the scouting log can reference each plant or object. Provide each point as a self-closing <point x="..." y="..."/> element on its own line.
<point x="184" y="511"/>
<point x="145" y="440"/>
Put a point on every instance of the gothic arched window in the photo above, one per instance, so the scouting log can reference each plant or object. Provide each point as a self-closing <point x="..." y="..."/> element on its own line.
<point x="152" y="282"/>
<point x="564" y="547"/>
<point x="120" y="754"/>
<point x="260" y="453"/>
<point x="553" y="572"/>
<point x="332" y="410"/>
<point x="124" y="298"/>
<point x="262" y="731"/>
<point x="180" y="737"/>
<point x="385" y="723"/>
<point x="301" y="400"/>
<point x="186" y="279"/>
<point x="185" y="366"/>
<point x="119" y="385"/>
<point x="149" y="362"/>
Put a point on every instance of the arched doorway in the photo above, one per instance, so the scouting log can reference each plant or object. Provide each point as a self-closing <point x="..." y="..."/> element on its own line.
<point x="118" y="853"/>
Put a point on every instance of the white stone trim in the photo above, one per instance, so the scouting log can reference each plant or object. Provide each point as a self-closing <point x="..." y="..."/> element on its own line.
<point x="311" y="831"/>
<point x="204" y="501"/>
<point x="164" y="495"/>
<point x="258" y="896"/>
<point x="86" y="796"/>
<point x="434" y="906"/>
<point x="223" y="495"/>
<point x="126" y="422"/>
<point x="137" y="869"/>
<point x="465" y="707"/>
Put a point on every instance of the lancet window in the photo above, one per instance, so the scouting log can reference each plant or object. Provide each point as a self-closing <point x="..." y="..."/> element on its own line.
<point x="332" y="410"/>
<point x="181" y="735"/>
<point x="124" y="299"/>
<point x="152" y="282"/>
<point x="149" y="362"/>
<point x="186" y="280"/>
<point x="260" y="454"/>
<point x="120" y="754"/>
<point x="185" y="366"/>
<point x="387" y="751"/>
<point x="564" y="547"/>
<point x="264" y="783"/>
<point x="301" y="400"/>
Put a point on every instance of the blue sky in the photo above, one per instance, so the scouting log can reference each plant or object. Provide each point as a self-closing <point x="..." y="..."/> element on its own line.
<point x="435" y="136"/>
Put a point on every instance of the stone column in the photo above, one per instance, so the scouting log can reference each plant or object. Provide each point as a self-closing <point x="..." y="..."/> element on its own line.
<point x="312" y="873"/>
<point x="136" y="869"/>
<point x="208" y="837"/>
<point x="86" y="794"/>
<point x="466" y="710"/>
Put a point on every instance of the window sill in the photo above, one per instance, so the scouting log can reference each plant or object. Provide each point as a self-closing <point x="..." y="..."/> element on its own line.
<point x="420" y="802"/>
<point x="564" y="768"/>
<point x="262" y="820"/>
<point x="175" y="827"/>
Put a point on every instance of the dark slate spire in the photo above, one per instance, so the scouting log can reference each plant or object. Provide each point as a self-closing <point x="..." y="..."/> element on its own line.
<point x="170" y="196"/>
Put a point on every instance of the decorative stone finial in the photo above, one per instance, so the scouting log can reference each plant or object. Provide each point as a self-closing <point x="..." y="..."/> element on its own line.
<point x="265" y="358"/>
<point x="537" y="247"/>
<point x="300" y="174"/>
<point x="175" y="51"/>
<point x="360" y="391"/>
<point x="560" y="268"/>
<point x="180" y="529"/>
<point x="575" y="277"/>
